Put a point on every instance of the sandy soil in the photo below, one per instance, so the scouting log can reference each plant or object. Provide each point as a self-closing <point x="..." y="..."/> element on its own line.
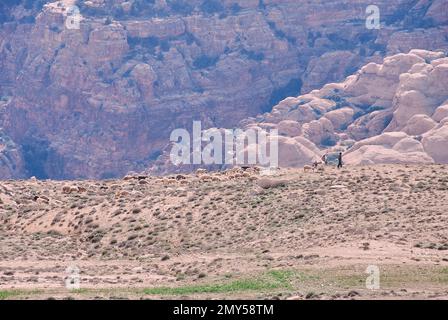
<point x="312" y="236"/>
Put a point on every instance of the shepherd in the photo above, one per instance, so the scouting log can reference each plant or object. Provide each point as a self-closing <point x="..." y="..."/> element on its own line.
<point x="340" y="160"/>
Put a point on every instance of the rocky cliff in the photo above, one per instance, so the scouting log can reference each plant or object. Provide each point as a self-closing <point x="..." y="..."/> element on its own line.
<point x="101" y="100"/>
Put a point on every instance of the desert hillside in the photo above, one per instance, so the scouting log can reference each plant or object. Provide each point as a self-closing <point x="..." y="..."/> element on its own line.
<point x="101" y="100"/>
<point x="232" y="234"/>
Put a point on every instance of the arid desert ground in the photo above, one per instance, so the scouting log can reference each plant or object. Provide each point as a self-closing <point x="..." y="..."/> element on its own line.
<point x="292" y="235"/>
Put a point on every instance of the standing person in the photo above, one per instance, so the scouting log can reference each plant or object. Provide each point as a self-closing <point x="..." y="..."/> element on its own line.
<point x="340" y="160"/>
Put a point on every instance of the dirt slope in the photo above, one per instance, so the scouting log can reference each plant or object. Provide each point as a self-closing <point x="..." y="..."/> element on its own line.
<point x="313" y="233"/>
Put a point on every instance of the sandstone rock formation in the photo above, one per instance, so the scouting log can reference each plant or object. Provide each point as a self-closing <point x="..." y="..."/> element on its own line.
<point x="101" y="100"/>
<point x="391" y="147"/>
<point x="393" y="112"/>
<point x="441" y="113"/>
<point x="435" y="142"/>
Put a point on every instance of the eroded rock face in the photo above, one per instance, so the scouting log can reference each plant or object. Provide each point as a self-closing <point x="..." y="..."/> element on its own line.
<point x="102" y="100"/>
<point x="11" y="159"/>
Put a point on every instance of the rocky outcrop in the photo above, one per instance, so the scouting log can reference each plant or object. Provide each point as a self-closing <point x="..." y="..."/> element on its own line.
<point x="101" y="100"/>
<point x="435" y="142"/>
<point x="391" y="147"/>
<point x="440" y="113"/>
<point x="392" y="112"/>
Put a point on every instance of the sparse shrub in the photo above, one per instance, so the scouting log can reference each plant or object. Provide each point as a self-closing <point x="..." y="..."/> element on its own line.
<point x="269" y="183"/>
<point x="132" y="236"/>
<point x="235" y="8"/>
<point x="165" y="46"/>
<point x="165" y="257"/>
<point x="212" y="6"/>
<point x="328" y="142"/>
<point x="205" y="61"/>
<point x="256" y="56"/>
<point x="291" y="89"/>
<point x="180" y="6"/>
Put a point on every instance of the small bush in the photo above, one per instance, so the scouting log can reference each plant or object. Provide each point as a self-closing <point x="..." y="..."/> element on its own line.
<point x="166" y="257"/>
<point x="205" y="61"/>
<point x="212" y="6"/>
<point x="235" y="8"/>
<point x="256" y="56"/>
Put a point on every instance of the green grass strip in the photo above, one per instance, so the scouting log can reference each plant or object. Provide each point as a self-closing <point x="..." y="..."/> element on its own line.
<point x="276" y="279"/>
